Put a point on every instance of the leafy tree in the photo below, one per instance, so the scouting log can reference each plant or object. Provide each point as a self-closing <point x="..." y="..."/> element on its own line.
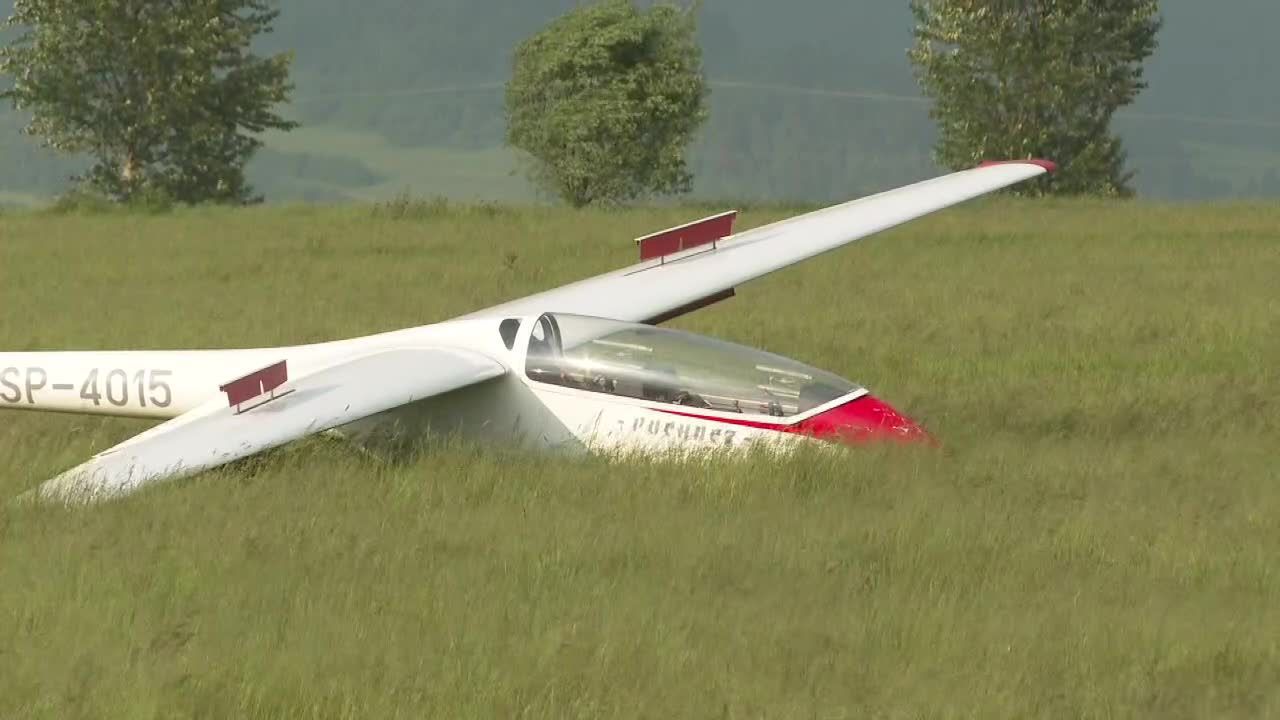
<point x="1026" y="78"/>
<point x="163" y="94"/>
<point x="606" y="100"/>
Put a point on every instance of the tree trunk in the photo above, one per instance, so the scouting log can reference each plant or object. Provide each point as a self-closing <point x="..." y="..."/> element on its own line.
<point x="130" y="170"/>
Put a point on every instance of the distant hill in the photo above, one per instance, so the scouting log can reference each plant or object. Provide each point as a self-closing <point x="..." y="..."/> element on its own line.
<point x="812" y="99"/>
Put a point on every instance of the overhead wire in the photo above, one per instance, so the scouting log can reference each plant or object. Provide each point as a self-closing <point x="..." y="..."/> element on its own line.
<point x="868" y="95"/>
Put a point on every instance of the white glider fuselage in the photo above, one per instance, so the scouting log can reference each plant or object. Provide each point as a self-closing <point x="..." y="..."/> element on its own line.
<point x="539" y="371"/>
<point x="164" y="384"/>
<point x="512" y="408"/>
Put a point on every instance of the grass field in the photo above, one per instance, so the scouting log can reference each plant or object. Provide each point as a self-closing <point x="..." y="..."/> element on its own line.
<point x="1098" y="537"/>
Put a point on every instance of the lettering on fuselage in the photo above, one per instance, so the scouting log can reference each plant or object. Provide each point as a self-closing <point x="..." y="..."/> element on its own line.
<point x="111" y="387"/>
<point x="676" y="430"/>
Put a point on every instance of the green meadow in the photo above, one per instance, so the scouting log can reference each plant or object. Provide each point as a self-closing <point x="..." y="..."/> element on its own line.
<point x="1097" y="537"/>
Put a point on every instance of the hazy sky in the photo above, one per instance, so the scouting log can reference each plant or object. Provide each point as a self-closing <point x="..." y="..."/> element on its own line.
<point x="1209" y="125"/>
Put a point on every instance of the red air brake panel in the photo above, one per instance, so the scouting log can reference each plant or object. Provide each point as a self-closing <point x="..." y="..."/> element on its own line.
<point x="257" y="383"/>
<point x="691" y="235"/>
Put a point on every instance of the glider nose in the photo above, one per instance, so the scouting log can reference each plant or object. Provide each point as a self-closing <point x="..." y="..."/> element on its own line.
<point x="863" y="420"/>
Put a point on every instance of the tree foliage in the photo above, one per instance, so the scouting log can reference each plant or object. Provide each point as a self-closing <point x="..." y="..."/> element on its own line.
<point x="164" y="95"/>
<point x="1035" y="78"/>
<point x="606" y="100"/>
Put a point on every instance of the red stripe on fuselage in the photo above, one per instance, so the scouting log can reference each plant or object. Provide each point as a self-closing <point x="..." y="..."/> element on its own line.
<point x="863" y="419"/>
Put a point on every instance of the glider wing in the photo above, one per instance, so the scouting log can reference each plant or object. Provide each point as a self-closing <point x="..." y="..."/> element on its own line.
<point x="236" y="426"/>
<point x="692" y="275"/>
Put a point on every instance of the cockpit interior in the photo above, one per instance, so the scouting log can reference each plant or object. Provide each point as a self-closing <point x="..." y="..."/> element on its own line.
<point x="675" y="367"/>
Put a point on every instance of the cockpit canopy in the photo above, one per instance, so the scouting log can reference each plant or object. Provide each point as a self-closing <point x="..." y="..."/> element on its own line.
<point x="670" y="366"/>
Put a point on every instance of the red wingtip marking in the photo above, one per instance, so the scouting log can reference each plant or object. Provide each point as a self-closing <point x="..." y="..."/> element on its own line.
<point x="256" y="383"/>
<point x="1049" y="165"/>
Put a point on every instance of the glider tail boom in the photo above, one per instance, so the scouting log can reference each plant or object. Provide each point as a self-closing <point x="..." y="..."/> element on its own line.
<point x="159" y="384"/>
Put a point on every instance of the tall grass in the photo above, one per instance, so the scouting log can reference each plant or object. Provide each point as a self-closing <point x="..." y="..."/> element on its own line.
<point x="1098" y="535"/>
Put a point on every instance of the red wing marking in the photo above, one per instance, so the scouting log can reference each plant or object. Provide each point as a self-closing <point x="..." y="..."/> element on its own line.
<point x="691" y="235"/>
<point x="1048" y="165"/>
<point x="256" y="384"/>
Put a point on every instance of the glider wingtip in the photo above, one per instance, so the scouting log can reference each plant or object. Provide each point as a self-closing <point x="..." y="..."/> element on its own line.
<point x="1049" y="165"/>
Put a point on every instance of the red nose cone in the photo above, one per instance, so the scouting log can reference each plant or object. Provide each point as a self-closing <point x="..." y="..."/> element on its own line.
<point x="863" y="420"/>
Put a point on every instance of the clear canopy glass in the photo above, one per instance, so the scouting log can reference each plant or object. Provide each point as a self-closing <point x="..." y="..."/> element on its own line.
<point x="664" y="365"/>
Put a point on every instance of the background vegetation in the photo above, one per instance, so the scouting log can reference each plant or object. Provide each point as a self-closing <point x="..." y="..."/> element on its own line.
<point x="605" y="101"/>
<point x="1035" y="80"/>
<point x="168" y="100"/>
<point x="409" y="95"/>
<point x="1098" y="536"/>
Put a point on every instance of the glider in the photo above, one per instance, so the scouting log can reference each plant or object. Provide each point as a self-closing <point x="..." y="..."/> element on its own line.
<point x="585" y="366"/>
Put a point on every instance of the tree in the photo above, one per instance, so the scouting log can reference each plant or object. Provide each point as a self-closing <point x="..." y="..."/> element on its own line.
<point x="165" y="95"/>
<point x="1035" y="78"/>
<point x="605" y="101"/>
